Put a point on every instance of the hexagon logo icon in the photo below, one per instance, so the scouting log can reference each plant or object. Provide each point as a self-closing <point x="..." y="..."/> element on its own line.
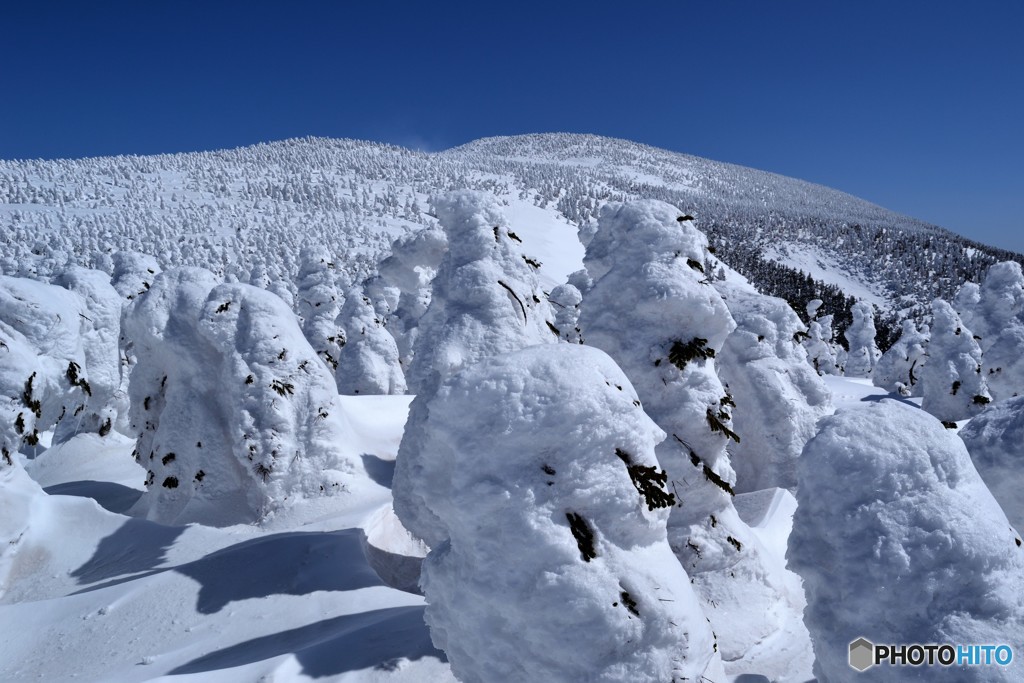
<point x="862" y="654"/>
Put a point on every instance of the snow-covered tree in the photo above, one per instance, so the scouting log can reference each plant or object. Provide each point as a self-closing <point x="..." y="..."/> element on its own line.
<point x="368" y="363"/>
<point x="953" y="386"/>
<point x="822" y="353"/>
<point x="319" y="303"/>
<point x="779" y="398"/>
<point x="133" y="273"/>
<point x="43" y="366"/>
<point x="539" y="470"/>
<point x="565" y="299"/>
<point x="235" y="413"/>
<point x="863" y="354"/>
<point x="409" y="270"/>
<point x="486" y="297"/>
<point x="654" y="312"/>
<point x="995" y="440"/>
<point x="106" y="405"/>
<point x="486" y="302"/>
<point x="899" y="368"/>
<point x="898" y="540"/>
<point x="995" y="311"/>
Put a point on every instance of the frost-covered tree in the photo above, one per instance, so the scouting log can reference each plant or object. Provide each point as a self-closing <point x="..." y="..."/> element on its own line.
<point x="368" y="363"/>
<point x="486" y="296"/>
<point x="953" y="386"/>
<point x="863" y="353"/>
<point x="994" y="311"/>
<point x="43" y="365"/>
<point x="409" y="270"/>
<point x="653" y="310"/>
<point x="899" y="369"/>
<point x="106" y="405"/>
<point x="565" y="299"/>
<point x="486" y="302"/>
<point x="133" y="273"/>
<point x="319" y="302"/>
<point x="538" y="467"/>
<point x="779" y="398"/>
<point x="898" y="540"/>
<point x="995" y="440"/>
<point x="822" y="353"/>
<point x="235" y="413"/>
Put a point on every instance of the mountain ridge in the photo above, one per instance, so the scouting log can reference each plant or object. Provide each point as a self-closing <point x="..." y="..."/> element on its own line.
<point x="240" y="209"/>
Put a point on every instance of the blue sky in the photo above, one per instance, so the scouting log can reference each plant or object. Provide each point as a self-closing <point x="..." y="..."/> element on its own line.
<point x="917" y="106"/>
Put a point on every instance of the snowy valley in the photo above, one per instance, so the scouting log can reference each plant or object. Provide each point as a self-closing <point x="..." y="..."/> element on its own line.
<point x="541" y="408"/>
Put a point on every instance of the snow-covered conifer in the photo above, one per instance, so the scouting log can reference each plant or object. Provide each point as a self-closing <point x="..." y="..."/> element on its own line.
<point x="319" y="303"/>
<point x="863" y="353"/>
<point x="565" y="299"/>
<point x="654" y="312"/>
<point x="410" y="269"/>
<point x="486" y="297"/>
<point x="43" y="366"/>
<point x="133" y="273"/>
<point x="953" y="386"/>
<point x="368" y="363"/>
<point x="106" y="405"/>
<point x="779" y="398"/>
<point x="996" y="318"/>
<point x="234" y="412"/>
<point x="899" y="368"/>
<point x="822" y="353"/>
<point x="486" y="301"/>
<point x="539" y="469"/>
<point x="898" y="540"/>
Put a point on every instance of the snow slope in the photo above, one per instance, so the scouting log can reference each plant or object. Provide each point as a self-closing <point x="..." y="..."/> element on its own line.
<point x="97" y="596"/>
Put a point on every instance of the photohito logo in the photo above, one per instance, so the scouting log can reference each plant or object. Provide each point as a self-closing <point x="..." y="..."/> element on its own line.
<point x="864" y="654"/>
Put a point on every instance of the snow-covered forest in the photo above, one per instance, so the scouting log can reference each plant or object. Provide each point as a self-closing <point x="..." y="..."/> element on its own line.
<point x="540" y="408"/>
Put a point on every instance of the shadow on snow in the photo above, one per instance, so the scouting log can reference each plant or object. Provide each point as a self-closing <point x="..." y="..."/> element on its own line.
<point x="294" y="563"/>
<point x="378" y="639"/>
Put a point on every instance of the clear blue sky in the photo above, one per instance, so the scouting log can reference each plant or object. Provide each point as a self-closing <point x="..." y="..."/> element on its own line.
<point x="917" y="106"/>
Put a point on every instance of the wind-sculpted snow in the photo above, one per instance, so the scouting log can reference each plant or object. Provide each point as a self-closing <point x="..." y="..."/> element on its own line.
<point x="995" y="440"/>
<point x="231" y="404"/>
<point x="653" y="310"/>
<point x="779" y="398"/>
<point x="899" y="541"/>
<point x="550" y="561"/>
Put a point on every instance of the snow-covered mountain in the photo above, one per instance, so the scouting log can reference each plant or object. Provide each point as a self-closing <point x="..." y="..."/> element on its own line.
<point x="622" y="461"/>
<point x="248" y="212"/>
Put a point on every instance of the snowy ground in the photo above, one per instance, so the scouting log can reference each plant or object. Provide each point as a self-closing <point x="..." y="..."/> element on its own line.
<point x="94" y="595"/>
